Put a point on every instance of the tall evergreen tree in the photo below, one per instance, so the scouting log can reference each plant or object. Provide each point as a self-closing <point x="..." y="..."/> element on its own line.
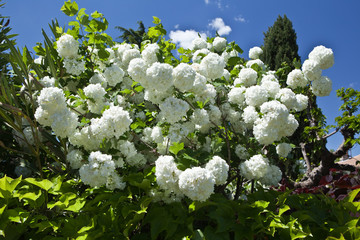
<point x="280" y="44"/>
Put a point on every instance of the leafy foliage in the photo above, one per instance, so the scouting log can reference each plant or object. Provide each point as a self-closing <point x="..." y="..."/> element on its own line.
<point x="60" y="208"/>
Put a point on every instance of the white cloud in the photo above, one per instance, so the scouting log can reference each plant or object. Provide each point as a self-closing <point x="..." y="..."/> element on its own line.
<point x="207" y="1"/>
<point x="184" y="38"/>
<point x="176" y="26"/>
<point x="240" y="19"/>
<point x="219" y="25"/>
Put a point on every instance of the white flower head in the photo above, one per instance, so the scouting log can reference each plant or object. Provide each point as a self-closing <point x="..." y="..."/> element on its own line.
<point x="184" y="77"/>
<point x="198" y="43"/>
<point x="159" y="76"/>
<point x="247" y="77"/>
<point x="149" y="54"/>
<point x="212" y="66"/>
<point x="283" y="149"/>
<point x="197" y="183"/>
<point x="255" y="52"/>
<point x="67" y="46"/>
<point x="296" y="79"/>
<point x="324" y="56"/>
<point x="219" y="168"/>
<point x="254" y="168"/>
<point x="311" y="70"/>
<point x="113" y="75"/>
<point x="219" y="44"/>
<point x="322" y="87"/>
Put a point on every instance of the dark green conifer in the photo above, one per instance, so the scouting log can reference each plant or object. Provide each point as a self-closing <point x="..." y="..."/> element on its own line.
<point x="280" y="44"/>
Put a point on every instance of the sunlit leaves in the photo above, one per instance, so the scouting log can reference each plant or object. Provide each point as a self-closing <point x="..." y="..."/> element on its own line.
<point x="70" y="8"/>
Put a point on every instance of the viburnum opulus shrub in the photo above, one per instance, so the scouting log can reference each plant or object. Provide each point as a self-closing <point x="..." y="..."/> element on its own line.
<point x="198" y="120"/>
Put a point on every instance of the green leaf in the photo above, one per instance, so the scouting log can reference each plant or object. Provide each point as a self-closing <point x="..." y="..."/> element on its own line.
<point x="103" y="54"/>
<point x="176" y="147"/>
<point x="17" y="215"/>
<point x="77" y="205"/>
<point x="283" y="209"/>
<point x="96" y="14"/>
<point x="156" y="20"/>
<point x="31" y="195"/>
<point x="352" y="195"/>
<point x="233" y="61"/>
<point x="8" y="185"/>
<point x="44" y="184"/>
<point x="70" y="8"/>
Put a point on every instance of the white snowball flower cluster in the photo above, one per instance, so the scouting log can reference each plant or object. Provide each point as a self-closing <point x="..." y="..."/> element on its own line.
<point x="275" y="123"/>
<point x="241" y="152"/>
<point x="219" y="169"/>
<point x="255" y="52"/>
<point x="96" y="92"/>
<point x="311" y="70"/>
<point x="159" y="76"/>
<point x="197" y="183"/>
<point x="178" y="132"/>
<point x="52" y="99"/>
<point x="153" y="134"/>
<point x="167" y="173"/>
<point x="47" y="81"/>
<point x="322" y="87"/>
<point x="67" y="46"/>
<point x="324" y="56"/>
<point x="197" y="56"/>
<point x="283" y="149"/>
<point x="258" y="62"/>
<point x="296" y="79"/>
<point x="173" y="109"/>
<point x="256" y="95"/>
<point x="219" y="44"/>
<point x="254" y="168"/>
<point x="98" y="78"/>
<point x="129" y="55"/>
<point x="100" y="171"/>
<point x="237" y="95"/>
<point x="114" y="122"/>
<point x="250" y="115"/>
<point x="73" y="66"/>
<point x="320" y="58"/>
<point x="149" y="54"/>
<point x="198" y="43"/>
<point x="137" y="71"/>
<point x="272" y="176"/>
<point x="287" y="97"/>
<point x="301" y="102"/>
<point x="75" y="157"/>
<point x="272" y="87"/>
<point x="184" y="77"/>
<point x="212" y="66"/>
<point x="113" y="75"/>
<point x="53" y="112"/>
<point x="247" y="77"/>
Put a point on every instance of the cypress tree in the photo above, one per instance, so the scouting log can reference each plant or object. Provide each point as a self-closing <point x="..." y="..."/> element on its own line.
<point x="280" y="44"/>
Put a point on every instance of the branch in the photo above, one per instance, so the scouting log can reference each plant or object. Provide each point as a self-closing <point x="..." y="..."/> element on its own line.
<point x="306" y="158"/>
<point x="330" y="134"/>
<point x="345" y="145"/>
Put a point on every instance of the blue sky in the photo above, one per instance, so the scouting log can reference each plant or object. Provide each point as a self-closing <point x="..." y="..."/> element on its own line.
<point x="332" y="23"/>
